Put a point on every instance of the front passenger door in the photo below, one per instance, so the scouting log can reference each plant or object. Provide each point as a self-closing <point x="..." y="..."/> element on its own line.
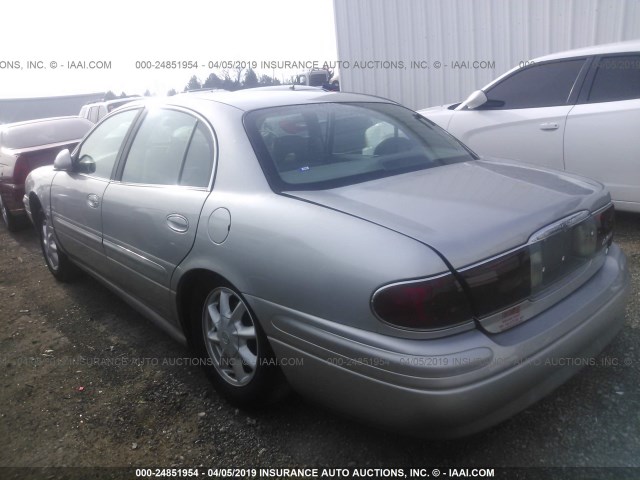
<point x="525" y="115"/>
<point x="76" y="196"/>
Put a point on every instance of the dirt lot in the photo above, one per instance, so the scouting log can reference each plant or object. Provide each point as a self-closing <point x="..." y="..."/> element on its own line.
<point x="88" y="382"/>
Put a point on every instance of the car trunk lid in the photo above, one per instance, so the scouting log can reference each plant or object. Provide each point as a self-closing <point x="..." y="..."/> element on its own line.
<point x="468" y="211"/>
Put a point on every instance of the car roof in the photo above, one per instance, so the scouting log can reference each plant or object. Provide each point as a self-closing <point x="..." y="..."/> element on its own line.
<point x="254" y="99"/>
<point x="619" y="47"/>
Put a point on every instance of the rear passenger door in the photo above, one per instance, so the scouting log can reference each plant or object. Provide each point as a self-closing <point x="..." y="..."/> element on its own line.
<point x="151" y="212"/>
<point x="602" y="138"/>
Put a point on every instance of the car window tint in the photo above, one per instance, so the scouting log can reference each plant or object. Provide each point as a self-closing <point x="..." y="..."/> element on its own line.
<point x="543" y="85"/>
<point x="102" y="145"/>
<point x="617" y="78"/>
<point x="159" y="148"/>
<point x="328" y="145"/>
<point x="198" y="163"/>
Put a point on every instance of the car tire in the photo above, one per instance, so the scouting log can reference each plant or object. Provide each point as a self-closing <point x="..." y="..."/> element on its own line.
<point x="232" y="347"/>
<point x="13" y="223"/>
<point x="57" y="261"/>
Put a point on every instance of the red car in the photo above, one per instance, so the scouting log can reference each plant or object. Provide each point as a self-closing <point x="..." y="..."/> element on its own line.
<point x="28" y="145"/>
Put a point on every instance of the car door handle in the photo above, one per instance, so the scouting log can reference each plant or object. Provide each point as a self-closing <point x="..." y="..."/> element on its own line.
<point x="93" y="200"/>
<point x="549" y="126"/>
<point x="177" y="223"/>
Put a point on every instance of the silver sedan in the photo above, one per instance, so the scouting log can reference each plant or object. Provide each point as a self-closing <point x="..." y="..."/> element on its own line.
<point x="344" y="246"/>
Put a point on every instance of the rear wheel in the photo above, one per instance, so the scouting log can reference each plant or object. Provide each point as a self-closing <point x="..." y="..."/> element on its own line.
<point x="235" y="351"/>
<point x="57" y="261"/>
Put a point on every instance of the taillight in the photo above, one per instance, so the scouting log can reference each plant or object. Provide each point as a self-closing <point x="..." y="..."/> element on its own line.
<point x="20" y="170"/>
<point x="605" y="223"/>
<point x="493" y="286"/>
<point x="499" y="282"/>
<point x="553" y="253"/>
<point x="429" y="304"/>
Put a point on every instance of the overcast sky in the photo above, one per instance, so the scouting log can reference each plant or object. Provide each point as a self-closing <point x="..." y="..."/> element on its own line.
<point x="52" y="34"/>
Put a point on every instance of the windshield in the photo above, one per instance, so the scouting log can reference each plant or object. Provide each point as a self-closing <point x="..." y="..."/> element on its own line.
<point x="327" y="145"/>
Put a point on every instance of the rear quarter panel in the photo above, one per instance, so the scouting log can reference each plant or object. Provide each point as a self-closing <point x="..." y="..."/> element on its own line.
<point x="291" y="252"/>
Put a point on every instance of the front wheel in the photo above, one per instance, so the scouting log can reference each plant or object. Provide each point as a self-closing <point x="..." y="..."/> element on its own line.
<point x="237" y="356"/>
<point x="57" y="261"/>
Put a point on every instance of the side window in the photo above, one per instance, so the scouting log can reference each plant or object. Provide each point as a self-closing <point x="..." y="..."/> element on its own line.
<point x="196" y="170"/>
<point x="544" y="85"/>
<point x="617" y="78"/>
<point x="159" y="148"/>
<point x="99" y="151"/>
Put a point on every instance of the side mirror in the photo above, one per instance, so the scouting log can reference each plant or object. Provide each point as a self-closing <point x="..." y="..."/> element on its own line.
<point x="86" y="164"/>
<point x="63" y="161"/>
<point x="475" y="100"/>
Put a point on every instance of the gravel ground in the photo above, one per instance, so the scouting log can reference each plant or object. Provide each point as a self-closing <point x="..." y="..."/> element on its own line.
<point x="87" y="382"/>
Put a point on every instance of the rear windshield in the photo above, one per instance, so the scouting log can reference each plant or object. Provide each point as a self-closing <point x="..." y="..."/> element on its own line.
<point x="328" y="145"/>
<point x="45" y="132"/>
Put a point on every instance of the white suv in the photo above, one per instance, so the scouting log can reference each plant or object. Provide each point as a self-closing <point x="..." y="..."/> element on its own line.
<point x="94" y="111"/>
<point x="577" y="111"/>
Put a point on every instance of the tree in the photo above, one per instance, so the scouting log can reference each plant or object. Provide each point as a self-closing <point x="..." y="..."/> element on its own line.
<point x="266" y="81"/>
<point x="123" y="95"/>
<point x="250" y="79"/>
<point x="172" y="92"/>
<point x="109" y="96"/>
<point x="194" y="84"/>
<point x="147" y="93"/>
<point x="229" y="84"/>
<point x="212" y="81"/>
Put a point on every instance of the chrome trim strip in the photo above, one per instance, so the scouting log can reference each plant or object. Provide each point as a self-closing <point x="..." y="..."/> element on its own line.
<point x="136" y="257"/>
<point x="83" y="231"/>
<point x="559" y="226"/>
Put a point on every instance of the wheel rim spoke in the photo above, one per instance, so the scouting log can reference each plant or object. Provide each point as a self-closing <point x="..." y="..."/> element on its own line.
<point x="213" y="336"/>
<point x="248" y="357"/>
<point x="246" y="333"/>
<point x="238" y="371"/>
<point x="225" y="310"/>
<point x="214" y="315"/>
<point x="238" y="313"/>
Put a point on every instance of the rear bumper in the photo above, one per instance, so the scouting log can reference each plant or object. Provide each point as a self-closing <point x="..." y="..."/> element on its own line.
<point x="452" y="386"/>
<point x="12" y="198"/>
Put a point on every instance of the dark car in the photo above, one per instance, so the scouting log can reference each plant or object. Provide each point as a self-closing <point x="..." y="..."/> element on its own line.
<point x="28" y="145"/>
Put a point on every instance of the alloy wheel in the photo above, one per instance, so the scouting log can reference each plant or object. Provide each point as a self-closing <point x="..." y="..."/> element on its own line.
<point x="49" y="245"/>
<point x="230" y="336"/>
